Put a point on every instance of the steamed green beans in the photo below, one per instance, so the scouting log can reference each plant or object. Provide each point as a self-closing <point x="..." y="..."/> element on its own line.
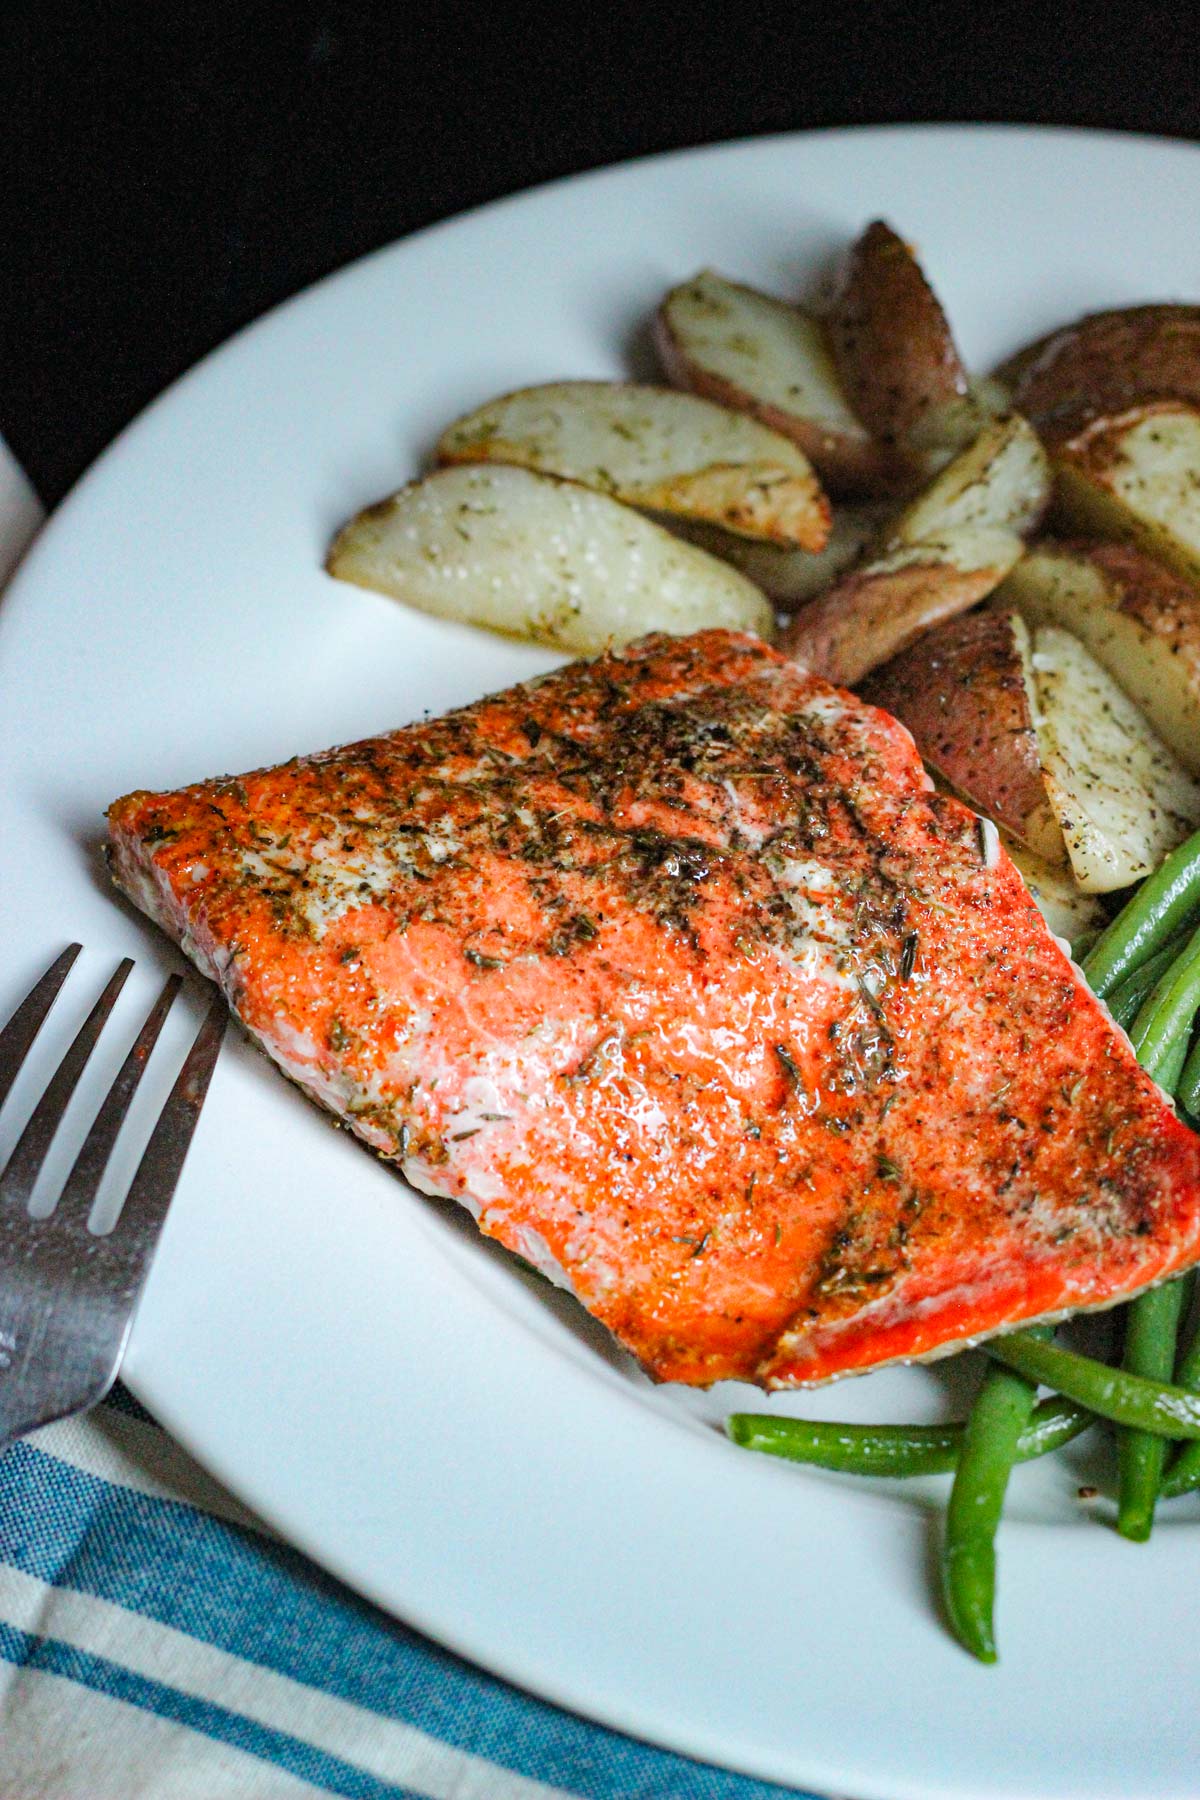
<point x="1183" y="1476"/>
<point x="1156" y="1406"/>
<point x="1125" y="1000"/>
<point x="1000" y="1414"/>
<point x="1187" y="1088"/>
<point x="1183" y="1473"/>
<point x="1164" y="903"/>
<point x="1159" y="1034"/>
<point x="896" y="1450"/>
<point x="1151" y="1328"/>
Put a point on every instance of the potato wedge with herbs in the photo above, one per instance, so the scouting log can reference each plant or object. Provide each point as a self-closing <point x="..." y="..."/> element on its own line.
<point x="895" y="353"/>
<point x="1001" y="483"/>
<point x="1137" y="476"/>
<point x="1070" y="913"/>
<point x="1067" y="910"/>
<point x="770" y="359"/>
<point x="874" y="611"/>
<point x="1138" y="618"/>
<point x="965" y="691"/>
<point x="1122" y="799"/>
<point x="947" y="550"/>
<point x="792" y="577"/>
<point x="535" y="557"/>
<point x="654" y="448"/>
<point x="1104" y="364"/>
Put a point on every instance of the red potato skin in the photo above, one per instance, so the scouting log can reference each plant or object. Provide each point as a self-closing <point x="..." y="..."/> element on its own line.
<point x="852" y="468"/>
<point x="960" y="689"/>
<point x="870" y="617"/>
<point x="1106" y="363"/>
<point x="891" y="341"/>
<point x="1150" y="593"/>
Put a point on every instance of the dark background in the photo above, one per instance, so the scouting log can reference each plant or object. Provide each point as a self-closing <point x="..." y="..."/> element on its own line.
<point x="168" y="178"/>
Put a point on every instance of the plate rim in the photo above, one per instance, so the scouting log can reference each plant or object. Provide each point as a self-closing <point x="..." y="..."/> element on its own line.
<point x="141" y="1382"/>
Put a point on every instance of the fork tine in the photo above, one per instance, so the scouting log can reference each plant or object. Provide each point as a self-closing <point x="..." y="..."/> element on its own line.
<point x="24" y="1165"/>
<point x="79" y="1190"/>
<point x="163" y="1158"/>
<point x="27" y="1021"/>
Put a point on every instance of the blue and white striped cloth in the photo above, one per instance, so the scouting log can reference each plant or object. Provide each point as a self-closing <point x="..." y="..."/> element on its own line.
<point x="157" y="1641"/>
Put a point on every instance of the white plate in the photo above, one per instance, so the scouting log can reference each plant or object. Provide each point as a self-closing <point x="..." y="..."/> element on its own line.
<point x="370" y="1376"/>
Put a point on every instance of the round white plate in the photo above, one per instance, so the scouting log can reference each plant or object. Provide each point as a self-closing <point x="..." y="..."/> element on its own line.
<point x="380" y="1384"/>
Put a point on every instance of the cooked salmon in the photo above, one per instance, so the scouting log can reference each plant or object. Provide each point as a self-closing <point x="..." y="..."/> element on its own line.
<point x="674" y="969"/>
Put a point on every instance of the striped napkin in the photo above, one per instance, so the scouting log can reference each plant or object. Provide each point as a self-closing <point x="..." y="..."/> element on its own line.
<point x="158" y="1641"/>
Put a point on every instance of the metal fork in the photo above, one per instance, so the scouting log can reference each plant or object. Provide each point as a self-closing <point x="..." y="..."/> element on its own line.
<point x="67" y="1293"/>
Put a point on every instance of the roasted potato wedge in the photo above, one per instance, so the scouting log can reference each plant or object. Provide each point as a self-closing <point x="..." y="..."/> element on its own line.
<point x="965" y="691"/>
<point x="948" y="549"/>
<point x="874" y="611"/>
<point x="540" y="558"/>
<point x="1104" y="364"/>
<point x="792" y="577"/>
<point x="1068" y="912"/>
<point x="1001" y="483"/>
<point x="1139" y="620"/>
<point x="770" y="359"/>
<point x="1122" y="799"/>
<point x="895" y="354"/>
<point x="654" y="448"/>
<point x="1137" y="476"/>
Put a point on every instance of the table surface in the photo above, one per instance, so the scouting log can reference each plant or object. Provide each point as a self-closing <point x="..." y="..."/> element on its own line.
<point x="170" y="178"/>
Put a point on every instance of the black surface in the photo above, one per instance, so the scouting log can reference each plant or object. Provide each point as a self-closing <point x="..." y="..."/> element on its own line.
<point x="168" y="178"/>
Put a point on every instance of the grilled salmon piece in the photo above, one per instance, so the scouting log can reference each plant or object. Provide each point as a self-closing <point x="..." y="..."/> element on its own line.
<point x="675" y="970"/>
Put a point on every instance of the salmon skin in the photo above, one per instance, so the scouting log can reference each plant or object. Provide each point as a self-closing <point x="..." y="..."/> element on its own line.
<point x="673" y="967"/>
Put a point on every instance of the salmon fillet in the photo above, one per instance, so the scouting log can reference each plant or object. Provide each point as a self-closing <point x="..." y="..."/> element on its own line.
<point x="673" y="968"/>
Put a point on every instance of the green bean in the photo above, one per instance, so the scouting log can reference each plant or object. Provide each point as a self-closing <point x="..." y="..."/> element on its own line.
<point x="1187" y="1369"/>
<point x="897" y="1450"/>
<point x="1187" y="1088"/>
<point x="1183" y="1474"/>
<point x="1001" y="1412"/>
<point x="1159" y="1033"/>
<point x="1151" y="1328"/>
<point x="1170" y="1069"/>
<point x="1163" y="1024"/>
<point x="1126" y="998"/>
<point x="1126" y="1399"/>
<point x="1165" y="901"/>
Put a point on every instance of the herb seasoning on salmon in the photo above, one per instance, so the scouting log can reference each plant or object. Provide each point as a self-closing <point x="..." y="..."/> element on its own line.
<point x="674" y="969"/>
